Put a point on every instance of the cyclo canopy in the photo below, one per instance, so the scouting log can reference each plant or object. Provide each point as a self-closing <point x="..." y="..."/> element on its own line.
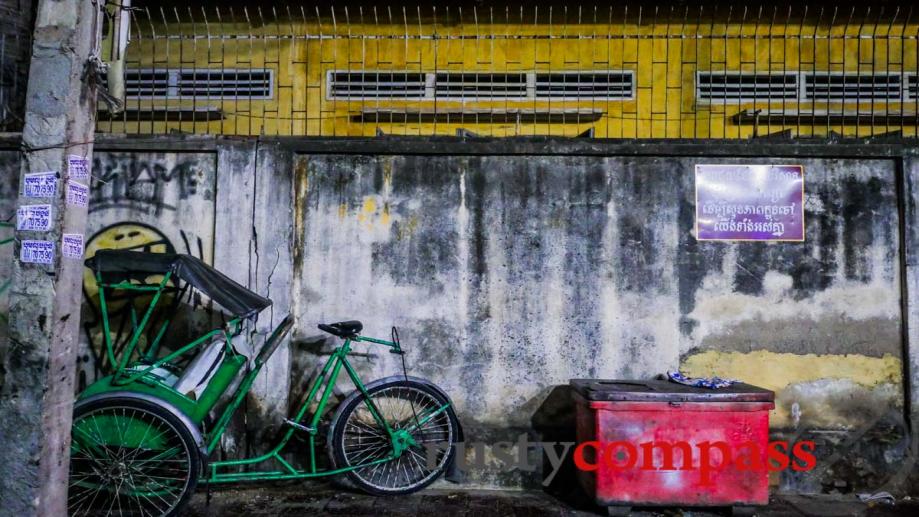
<point x="121" y="265"/>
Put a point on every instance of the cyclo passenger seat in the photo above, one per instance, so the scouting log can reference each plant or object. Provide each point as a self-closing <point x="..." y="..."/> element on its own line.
<point x="343" y="329"/>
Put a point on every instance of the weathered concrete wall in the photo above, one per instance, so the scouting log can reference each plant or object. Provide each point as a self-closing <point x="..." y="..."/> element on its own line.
<point x="9" y="160"/>
<point x="818" y="322"/>
<point x="511" y="274"/>
<point x="9" y="182"/>
<point x="254" y="236"/>
<point x="508" y="275"/>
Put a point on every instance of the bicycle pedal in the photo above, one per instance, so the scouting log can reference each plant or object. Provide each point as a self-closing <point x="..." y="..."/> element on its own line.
<point x="299" y="426"/>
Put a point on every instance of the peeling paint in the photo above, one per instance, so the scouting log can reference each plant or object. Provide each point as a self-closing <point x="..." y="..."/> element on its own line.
<point x="512" y="274"/>
<point x="509" y="275"/>
<point x="717" y="309"/>
<point x="816" y="383"/>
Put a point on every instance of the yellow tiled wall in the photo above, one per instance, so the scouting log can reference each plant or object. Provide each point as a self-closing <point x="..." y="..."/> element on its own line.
<point x="664" y="57"/>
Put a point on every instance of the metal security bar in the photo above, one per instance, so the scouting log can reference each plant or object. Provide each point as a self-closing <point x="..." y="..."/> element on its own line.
<point x="15" y="45"/>
<point x="622" y="71"/>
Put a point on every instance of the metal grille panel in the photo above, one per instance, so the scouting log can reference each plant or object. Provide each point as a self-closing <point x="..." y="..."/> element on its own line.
<point x="739" y="87"/>
<point x="842" y="87"/>
<point x="606" y="71"/>
<point x="376" y="84"/>
<point x="590" y="85"/>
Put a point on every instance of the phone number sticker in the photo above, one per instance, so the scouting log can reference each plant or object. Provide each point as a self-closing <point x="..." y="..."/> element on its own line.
<point x="35" y="218"/>
<point x="72" y="245"/>
<point x="77" y="167"/>
<point x="40" y="184"/>
<point x="37" y="252"/>
<point x="77" y="194"/>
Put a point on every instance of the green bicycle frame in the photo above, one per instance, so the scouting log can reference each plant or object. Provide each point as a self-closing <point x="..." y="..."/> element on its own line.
<point x="137" y="377"/>
<point x="220" y="471"/>
<point x="120" y="378"/>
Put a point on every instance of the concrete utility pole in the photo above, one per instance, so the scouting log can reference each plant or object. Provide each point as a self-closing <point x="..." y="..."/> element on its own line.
<point x="38" y="362"/>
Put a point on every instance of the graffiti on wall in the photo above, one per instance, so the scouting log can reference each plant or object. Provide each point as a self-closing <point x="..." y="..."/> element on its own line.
<point x="146" y="182"/>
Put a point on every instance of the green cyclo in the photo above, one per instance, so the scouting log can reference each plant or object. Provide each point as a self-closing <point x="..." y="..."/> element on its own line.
<point x="142" y="436"/>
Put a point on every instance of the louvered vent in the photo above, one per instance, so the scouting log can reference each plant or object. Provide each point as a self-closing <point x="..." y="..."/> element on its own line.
<point x="199" y="83"/>
<point x="362" y="85"/>
<point x="742" y="87"/>
<point x="852" y="87"/>
<point x="480" y="85"/>
<point x="225" y="84"/>
<point x="912" y="86"/>
<point x="146" y="83"/>
<point x="580" y="85"/>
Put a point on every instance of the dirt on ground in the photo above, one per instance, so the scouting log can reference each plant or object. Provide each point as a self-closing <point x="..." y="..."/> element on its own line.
<point x="312" y="498"/>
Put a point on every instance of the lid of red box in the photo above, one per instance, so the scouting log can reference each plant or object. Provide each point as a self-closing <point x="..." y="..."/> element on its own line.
<point x="667" y="391"/>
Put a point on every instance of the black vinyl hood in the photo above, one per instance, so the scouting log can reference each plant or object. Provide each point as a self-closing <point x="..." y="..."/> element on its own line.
<point x="125" y="264"/>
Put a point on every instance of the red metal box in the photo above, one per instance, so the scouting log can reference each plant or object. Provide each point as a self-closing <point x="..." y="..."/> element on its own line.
<point x="663" y="443"/>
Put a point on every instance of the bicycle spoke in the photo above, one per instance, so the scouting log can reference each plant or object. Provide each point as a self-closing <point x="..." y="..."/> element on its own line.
<point x="160" y="485"/>
<point x="137" y="498"/>
<point x="419" y="461"/>
<point x="364" y="428"/>
<point x="364" y="440"/>
<point x="141" y="468"/>
<point x="76" y="504"/>
<point x="370" y="455"/>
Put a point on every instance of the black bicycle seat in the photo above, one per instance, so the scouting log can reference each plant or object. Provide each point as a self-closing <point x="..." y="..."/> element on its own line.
<point x="343" y="329"/>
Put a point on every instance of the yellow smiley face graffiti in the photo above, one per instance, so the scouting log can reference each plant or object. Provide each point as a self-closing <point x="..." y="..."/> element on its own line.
<point x="126" y="236"/>
<point x="123" y="236"/>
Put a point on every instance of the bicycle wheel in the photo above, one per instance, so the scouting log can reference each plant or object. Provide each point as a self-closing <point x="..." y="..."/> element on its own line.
<point x="130" y="457"/>
<point x="357" y="438"/>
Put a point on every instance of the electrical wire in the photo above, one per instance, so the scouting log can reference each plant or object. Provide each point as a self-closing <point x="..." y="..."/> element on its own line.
<point x="29" y="149"/>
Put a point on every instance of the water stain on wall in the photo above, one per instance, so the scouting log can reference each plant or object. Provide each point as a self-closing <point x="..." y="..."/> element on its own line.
<point x="813" y="383"/>
<point x="510" y="274"/>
